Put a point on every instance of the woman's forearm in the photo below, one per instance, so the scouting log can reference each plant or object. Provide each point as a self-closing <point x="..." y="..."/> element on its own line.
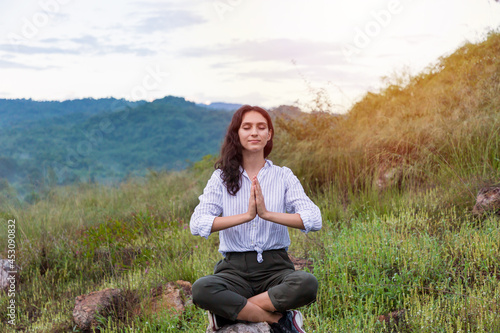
<point x="287" y="219"/>
<point x="224" y="222"/>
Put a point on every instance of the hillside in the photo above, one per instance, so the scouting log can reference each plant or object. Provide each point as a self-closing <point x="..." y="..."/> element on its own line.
<point x="422" y="129"/>
<point x="50" y="143"/>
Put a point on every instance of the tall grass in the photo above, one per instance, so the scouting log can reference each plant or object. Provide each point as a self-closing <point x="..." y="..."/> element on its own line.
<point x="444" y="120"/>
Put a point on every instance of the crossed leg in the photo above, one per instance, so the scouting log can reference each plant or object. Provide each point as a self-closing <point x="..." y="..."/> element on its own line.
<point x="259" y="308"/>
<point x="229" y="296"/>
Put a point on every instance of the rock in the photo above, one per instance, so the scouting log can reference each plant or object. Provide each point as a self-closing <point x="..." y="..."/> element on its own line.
<point x="394" y="317"/>
<point x="186" y="287"/>
<point x="244" y="328"/>
<point x="9" y="274"/>
<point x="173" y="296"/>
<point x="488" y="200"/>
<point x="388" y="176"/>
<point x="103" y="302"/>
<point x="301" y="263"/>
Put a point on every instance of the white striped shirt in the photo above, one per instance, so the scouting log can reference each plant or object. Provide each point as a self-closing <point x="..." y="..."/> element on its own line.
<point x="282" y="193"/>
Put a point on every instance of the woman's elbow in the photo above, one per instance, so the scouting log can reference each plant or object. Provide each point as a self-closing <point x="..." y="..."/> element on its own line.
<point x="194" y="225"/>
<point x="319" y="221"/>
<point x="193" y="229"/>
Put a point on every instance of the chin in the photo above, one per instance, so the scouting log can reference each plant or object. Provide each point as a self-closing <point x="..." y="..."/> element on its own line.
<point x="255" y="150"/>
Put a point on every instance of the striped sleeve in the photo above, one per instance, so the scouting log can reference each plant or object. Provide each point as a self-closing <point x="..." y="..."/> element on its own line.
<point x="297" y="201"/>
<point x="209" y="208"/>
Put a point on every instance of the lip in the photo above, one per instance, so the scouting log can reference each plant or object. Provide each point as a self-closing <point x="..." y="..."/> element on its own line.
<point x="254" y="141"/>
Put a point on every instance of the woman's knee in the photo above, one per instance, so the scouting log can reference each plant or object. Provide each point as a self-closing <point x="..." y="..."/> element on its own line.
<point x="299" y="288"/>
<point x="200" y="290"/>
<point x="306" y="287"/>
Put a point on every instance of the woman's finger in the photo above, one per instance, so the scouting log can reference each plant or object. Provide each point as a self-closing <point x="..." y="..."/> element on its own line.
<point x="259" y="198"/>
<point x="258" y="192"/>
<point x="257" y="185"/>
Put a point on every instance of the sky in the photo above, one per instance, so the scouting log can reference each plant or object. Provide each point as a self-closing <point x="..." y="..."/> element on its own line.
<point x="258" y="52"/>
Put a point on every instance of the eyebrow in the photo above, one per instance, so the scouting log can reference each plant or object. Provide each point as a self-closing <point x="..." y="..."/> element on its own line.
<point x="250" y="123"/>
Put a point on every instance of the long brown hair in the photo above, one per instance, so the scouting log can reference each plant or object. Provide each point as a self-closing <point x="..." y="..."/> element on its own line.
<point x="231" y="156"/>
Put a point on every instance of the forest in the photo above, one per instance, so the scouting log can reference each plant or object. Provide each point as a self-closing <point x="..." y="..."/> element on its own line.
<point x="45" y="144"/>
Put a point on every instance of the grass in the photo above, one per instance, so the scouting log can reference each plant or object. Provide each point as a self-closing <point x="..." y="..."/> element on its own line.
<point x="443" y="269"/>
<point x="395" y="181"/>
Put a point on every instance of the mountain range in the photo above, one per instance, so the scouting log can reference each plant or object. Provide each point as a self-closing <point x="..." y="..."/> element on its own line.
<point x="46" y="143"/>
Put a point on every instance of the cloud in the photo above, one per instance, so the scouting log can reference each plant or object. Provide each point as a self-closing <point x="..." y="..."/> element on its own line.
<point x="85" y="40"/>
<point x="271" y="75"/>
<point x="273" y="50"/>
<point x="167" y="21"/>
<point x="164" y="16"/>
<point x="26" y="49"/>
<point x="86" y="44"/>
<point x="307" y="60"/>
<point x="13" y="64"/>
<point x="414" y="38"/>
<point x="309" y="73"/>
<point x="91" y="44"/>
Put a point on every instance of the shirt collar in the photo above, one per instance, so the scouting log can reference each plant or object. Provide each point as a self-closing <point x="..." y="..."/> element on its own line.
<point x="268" y="164"/>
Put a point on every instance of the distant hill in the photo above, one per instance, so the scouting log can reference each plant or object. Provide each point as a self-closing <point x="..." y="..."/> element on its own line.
<point x="15" y="112"/>
<point x="48" y="143"/>
<point x="104" y="140"/>
<point x="221" y="106"/>
<point x="286" y="111"/>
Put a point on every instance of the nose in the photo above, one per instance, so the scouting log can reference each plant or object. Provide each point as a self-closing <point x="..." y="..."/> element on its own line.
<point x="254" y="130"/>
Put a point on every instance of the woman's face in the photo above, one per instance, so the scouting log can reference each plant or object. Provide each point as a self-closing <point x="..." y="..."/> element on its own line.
<point x="254" y="132"/>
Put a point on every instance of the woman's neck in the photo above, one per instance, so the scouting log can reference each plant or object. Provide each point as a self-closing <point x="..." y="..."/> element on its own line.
<point x="252" y="163"/>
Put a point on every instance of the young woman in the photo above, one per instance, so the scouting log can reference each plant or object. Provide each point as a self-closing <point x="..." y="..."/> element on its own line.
<point x="251" y="202"/>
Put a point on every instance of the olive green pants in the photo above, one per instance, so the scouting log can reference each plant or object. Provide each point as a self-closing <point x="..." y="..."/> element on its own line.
<point x="239" y="276"/>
